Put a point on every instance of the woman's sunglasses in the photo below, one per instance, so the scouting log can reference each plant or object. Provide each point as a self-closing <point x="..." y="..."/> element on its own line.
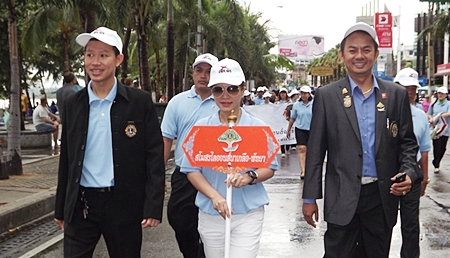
<point x="218" y="91"/>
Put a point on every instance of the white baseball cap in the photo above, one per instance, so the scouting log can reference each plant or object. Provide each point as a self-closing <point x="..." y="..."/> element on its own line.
<point x="104" y="35"/>
<point x="260" y="89"/>
<point x="226" y="71"/>
<point x="293" y="92"/>
<point x="442" y="89"/>
<point x="247" y="93"/>
<point x="305" y="89"/>
<point x="361" y="26"/>
<point x="205" y="58"/>
<point x="407" y="77"/>
<point x="266" y="95"/>
<point x="283" y="89"/>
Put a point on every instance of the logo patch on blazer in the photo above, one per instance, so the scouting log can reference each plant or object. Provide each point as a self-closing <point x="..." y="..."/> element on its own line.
<point x="347" y="101"/>
<point x="344" y="91"/>
<point x="130" y="130"/>
<point x="394" y="130"/>
<point x="380" y="106"/>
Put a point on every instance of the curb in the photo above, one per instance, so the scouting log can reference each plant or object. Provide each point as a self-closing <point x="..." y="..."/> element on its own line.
<point x="26" y="209"/>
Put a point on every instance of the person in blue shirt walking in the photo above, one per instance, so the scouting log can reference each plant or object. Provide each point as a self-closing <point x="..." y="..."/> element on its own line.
<point x="181" y="113"/>
<point x="409" y="204"/>
<point x="440" y="105"/>
<point x="301" y="115"/>
<point x="249" y="195"/>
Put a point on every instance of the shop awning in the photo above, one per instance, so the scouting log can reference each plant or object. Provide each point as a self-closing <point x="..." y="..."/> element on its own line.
<point x="443" y="69"/>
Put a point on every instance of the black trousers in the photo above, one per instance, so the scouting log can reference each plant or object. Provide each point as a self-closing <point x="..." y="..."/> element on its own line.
<point x="439" y="148"/>
<point x="409" y="214"/>
<point x="183" y="215"/>
<point x="284" y="148"/>
<point x="367" y="235"/>
<point x="81" y="235"/>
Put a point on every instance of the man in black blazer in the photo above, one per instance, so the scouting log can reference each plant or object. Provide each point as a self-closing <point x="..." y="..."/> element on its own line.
<point x="363" y="125"/>
<point x="111" y="172"/>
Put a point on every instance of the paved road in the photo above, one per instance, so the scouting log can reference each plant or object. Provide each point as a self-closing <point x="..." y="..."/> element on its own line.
<point x="286" y="234"/>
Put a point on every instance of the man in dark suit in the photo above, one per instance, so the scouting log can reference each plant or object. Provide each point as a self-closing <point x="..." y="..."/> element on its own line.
<point x="364" y="125"/>
<point x="111" y="172"/>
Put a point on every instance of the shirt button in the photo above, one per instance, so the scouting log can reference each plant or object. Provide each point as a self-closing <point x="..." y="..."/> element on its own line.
<point x="103" y="114"/>
<point x="365" y="152"/>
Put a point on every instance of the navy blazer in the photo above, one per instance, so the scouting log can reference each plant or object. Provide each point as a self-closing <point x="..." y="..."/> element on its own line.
<point x="139" y="171"/>
<point x="335" y="130"/>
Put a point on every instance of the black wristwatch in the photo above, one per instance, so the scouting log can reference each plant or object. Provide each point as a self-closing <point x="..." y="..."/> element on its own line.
<point x="253" y="175"/>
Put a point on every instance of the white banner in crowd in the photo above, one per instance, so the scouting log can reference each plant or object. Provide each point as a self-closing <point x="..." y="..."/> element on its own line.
<point x="273" y="116"/>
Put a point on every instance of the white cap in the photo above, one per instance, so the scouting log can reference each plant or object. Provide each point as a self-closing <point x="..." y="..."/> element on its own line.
<point x="361" y="26"/>
<point x="283" y="89"/>
<point x="104" y="35"/>
<point x="260" y="89"/>
<point x="442" y="89"/>
<point x="247" y="93"/>
<point x="305" y="89"/>
<point x="293" y="92"/>
<point x="226" y="71"/>
<point x="253" y="89"/>
<point x="265" y="88"/>
<point x="407" y="77"/>
<point x="267" y="94"/>
<point x="205" y="58"/>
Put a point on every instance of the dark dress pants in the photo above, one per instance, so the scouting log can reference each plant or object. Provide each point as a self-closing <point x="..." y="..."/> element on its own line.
<point x="81" y="235"/>
<point x="439" y="148"/>
<point x="409" y="214"/>
<point x="182" y="214"/>
<point x="367" y="235"/>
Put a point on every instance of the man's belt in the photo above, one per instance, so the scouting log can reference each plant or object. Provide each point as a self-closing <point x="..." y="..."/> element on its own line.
<point x="368" y="180"/>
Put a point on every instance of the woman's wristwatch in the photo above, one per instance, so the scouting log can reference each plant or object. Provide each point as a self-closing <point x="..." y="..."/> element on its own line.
<point x="253" y="175"/>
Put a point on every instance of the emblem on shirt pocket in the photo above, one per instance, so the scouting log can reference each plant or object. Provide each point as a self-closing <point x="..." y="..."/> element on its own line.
<point x="130" y="130"/>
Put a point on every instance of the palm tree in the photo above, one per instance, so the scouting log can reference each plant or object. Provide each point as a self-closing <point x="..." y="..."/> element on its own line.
<point x="14" y="159"/>
<point x="51" y="21"/>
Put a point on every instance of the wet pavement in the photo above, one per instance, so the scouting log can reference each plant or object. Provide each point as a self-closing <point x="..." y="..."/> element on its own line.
<point x="287" y="235"/>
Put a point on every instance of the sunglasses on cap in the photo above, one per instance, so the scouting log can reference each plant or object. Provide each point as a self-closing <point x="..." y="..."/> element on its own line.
<point x="218" y="91"/>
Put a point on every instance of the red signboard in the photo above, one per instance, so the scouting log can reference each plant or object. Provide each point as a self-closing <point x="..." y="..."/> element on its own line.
<point x="383" y="27"/>
<point x="442" y="69"/>
<point x="241" y="146"/>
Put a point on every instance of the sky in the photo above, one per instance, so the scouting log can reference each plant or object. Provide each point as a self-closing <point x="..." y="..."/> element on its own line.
<point x="331" y="18"/>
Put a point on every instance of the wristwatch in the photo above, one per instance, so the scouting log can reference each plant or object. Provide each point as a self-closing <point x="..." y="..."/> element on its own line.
<point x="253" y="175"/>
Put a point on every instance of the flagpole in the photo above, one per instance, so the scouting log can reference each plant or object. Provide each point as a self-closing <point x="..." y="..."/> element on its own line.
<point x="232" y="118"/>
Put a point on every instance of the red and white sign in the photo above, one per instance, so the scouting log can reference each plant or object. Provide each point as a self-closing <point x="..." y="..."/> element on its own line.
<point x="242" y="146"/>
<point x="442" y="69"/>
<point x="383" y="27"/>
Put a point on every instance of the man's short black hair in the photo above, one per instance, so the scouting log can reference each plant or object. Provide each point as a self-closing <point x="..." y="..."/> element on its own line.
<point x="116" y="51"/>
<point x="68" y="77"/>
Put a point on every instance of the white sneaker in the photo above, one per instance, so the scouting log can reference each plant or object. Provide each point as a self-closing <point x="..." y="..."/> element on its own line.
<point x="436" y="170"/>
<point x="288" y="152"/>
<point x="283" y="155"/>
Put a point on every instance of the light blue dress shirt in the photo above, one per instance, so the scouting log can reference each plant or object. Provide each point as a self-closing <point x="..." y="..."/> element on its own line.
<point x="421" y="130"/>
<point x="302" y="114"/>
<point x="244" y="199"/>
<point x="365" y="108"/>
<point x="181" y="113"/>
<point x="98" y="166"/>
<point x="258" y="100"/>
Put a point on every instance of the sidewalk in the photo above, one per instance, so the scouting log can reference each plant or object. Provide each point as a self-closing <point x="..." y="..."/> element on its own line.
<point x="31" y="195"/>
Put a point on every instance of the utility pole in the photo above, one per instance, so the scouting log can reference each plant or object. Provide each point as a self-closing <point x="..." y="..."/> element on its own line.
<point x="199" y="29"/>
<point x="446" y="49"/>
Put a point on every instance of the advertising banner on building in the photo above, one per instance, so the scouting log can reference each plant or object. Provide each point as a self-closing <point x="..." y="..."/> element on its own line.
<point x="383" y="27"/>
<point x="301" y="47"/>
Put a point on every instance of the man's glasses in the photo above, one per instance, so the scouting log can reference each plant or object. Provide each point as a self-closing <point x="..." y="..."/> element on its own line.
<point x="218" y="91"/>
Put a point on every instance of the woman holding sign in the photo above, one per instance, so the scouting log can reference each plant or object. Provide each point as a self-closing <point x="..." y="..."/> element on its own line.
<point x="248" y="194"/>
